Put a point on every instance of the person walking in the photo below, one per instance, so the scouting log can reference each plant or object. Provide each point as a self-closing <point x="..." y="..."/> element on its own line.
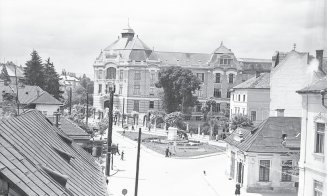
<point x="167" y="152"/>
<point x="238" y="189"/>
<point x="122" y="155"/>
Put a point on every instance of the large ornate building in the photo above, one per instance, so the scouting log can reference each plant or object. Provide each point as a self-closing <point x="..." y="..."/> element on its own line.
<point x="133" y="68"/>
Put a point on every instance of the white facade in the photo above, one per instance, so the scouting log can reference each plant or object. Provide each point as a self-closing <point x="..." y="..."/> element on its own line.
<point x="313" y="166"/>
<point x="47" y="110"/>
<point x="286" y="78"/>
<point x="251" y="102"/>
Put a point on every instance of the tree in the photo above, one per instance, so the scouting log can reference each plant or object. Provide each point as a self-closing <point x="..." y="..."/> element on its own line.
<point x="240" y="121"/>
<point x="175" y="119"/>
<point x="4" y="75"/>
<point x="52" y="85"/>
<point x="34" y="71"/>
<point x="207" y="108"/>
<point x="88" y="85"/>
<point x="178" y="84"/>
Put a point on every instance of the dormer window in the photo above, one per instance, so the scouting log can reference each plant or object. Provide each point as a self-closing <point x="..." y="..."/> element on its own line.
<point x="225" y="61"/>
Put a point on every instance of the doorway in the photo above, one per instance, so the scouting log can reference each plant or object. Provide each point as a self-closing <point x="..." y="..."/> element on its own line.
<point x="106" y="104"/>
<point x="240" y="172"/>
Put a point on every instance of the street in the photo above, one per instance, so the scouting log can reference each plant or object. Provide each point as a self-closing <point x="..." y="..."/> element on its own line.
<point x="170" y="176"/>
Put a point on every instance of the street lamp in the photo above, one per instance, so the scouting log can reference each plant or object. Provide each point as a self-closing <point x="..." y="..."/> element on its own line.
<point x="109" y="137"/>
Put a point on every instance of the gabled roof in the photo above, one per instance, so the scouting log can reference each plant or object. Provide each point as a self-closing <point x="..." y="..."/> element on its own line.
<point x="10" y="66"/>
<point x="222" y="50"/>
<point x="73" y="130"/>
<point x="46" y="99"/>
<point x="30" y="146"/>
<point x="316" y="87"/>
<point x="267" y="136"/>
<point x="30" y="94"/>
<point x="261" y="82"/>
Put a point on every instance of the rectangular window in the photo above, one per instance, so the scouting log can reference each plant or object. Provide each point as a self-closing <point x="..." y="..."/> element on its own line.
<point x="253" y="115"/>
<point x="152" y="79"/>
<point x="136" y="105"/>
<point x="198" y="118"/>
<point x="121" y="74"/>
<point x="200" y="93"/>
<point x="218" y="107"/>
<point x="217" y="77"/>
<point x="200" y="76"/>
<point x="239" y="97"/>
<point x="151" y="91"/>
<point x="137" y="89"/>
<point x="217" y="93"/>
<point x="320" y="137"/>
<point x="100" y="74"/>
<point x="243" y="111"/>
<point x="151" y="104"/>
<point x="264" y="170"/>
<point x="318" y="188"/>
<point x="120" y="89"/>
<point x="230" y="78"/>
<point x="100" y="89"/>
<point x="244" y="98"/>
<point x="287" y="170"/>
<point x="228" y="94"/>
<point x="137" y="75"/>
<point x="198" y="108"/>
<point x="106" y="89"/>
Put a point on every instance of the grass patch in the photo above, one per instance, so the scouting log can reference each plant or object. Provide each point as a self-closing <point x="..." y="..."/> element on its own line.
<point x="178" y="151"/>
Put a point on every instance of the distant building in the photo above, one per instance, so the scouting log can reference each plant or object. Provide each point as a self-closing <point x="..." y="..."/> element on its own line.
<point x="10" y="66"/>
<point x="68" y="80"/>
<point x="313" y="167"/>
<point x="289" y="74"/>
<point x="265" y="158"/>
<point x="133" y="68"/>
<point x="252" y="98"/>
<point x="39" y="159"/>
<point x="32" y="97"/>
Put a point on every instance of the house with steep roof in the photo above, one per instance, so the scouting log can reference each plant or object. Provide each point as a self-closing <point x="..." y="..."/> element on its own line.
<point x="37" y="158"/>
<point x="13" y="71"/>
<point x="264" y="158"/>
<point x="312" y="164"/>
<point x="252" y="98"/>
<point x="32" y="97"/>
<point x="133" y="67"/>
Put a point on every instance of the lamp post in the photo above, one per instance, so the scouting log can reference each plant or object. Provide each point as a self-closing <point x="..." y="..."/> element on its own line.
<point x="109" y="137"/>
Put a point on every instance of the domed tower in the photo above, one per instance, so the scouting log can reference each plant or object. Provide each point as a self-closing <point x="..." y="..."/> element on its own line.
<point x="121" y="64"/>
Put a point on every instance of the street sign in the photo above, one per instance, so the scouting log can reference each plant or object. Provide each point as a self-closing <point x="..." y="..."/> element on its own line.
<point x="124" y="191"/>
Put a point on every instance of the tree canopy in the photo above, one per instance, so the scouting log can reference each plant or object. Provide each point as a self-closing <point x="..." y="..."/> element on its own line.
<point x="178" y="84"/>
<point x="240" y="121"/>
<point x="51" y="78"/>
<point x="34" y="71"/>
<point x="4" y="75"/>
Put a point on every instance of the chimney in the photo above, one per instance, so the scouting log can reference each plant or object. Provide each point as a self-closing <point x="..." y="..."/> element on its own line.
<point x="57" y="119"/>
<point x="319" y="56"/>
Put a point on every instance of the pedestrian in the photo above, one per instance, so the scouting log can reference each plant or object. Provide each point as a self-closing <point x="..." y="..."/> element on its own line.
<point x="107" y="181"/>
<point x="122" y="155"/>
<point x="238" y="189"/>
<point x="124" y="133"/>
<point x="204" y="172"/>
<point x="132" y="127"/>
<point x="167" y="152"/>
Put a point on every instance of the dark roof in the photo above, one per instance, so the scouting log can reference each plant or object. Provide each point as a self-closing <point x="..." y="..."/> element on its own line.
<point x="46" y="99"/>
<point x="28" y="94"/>
<point x="73" y="130"/>
<point x="316" y="87"/>
<point x="267" y="136"/>
<point x="261" y="82"/>
<point x="30" y="146"/>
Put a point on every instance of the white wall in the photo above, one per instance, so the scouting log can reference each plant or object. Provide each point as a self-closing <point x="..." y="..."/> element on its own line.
<point x="50" y="109"/>
<point x="313" y="166"/>
<point x="290" y="75"/>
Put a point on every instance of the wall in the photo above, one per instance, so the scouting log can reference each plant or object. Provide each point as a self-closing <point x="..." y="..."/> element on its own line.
<point x="49" y="108"/>
<point x="288" y="77"/>
<point x="312" y="165"/>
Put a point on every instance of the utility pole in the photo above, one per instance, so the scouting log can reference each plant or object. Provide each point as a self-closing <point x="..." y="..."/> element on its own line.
<point x="137" y="162"/>
<point x="109" y="137"/>
<point x="87" y="108"/>
<point x="122" y="119"/>
<point x="17" y="101"/>
<point x="70" y="101"/>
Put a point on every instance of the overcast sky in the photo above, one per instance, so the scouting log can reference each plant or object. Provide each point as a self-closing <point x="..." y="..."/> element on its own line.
<point x="72" y="32"/>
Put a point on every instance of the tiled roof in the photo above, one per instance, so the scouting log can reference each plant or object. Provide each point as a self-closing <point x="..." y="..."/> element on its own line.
<point x="261" y="82"/>
<point x="30" y="143"/>
<point x="28" y="94"/>
<point x="11" y="69"/>
<point x="73" y="130"/>
<point x="267" y="136"/>
<point x="46" y="99"/>
<point x="316" y="87"/>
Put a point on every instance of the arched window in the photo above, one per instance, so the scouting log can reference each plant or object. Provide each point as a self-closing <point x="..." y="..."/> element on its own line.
<point x="231" y="78"/>
<point x="111" y="73"/>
